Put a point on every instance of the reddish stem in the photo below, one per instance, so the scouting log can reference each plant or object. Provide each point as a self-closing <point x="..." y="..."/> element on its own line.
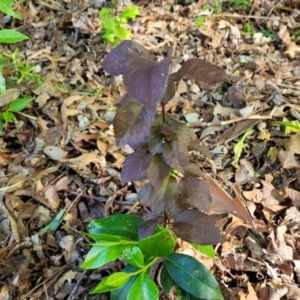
<point x="163" y="111"/>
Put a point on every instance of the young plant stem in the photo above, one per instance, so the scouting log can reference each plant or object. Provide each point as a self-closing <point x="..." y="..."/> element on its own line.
<point x="163" y="111"/>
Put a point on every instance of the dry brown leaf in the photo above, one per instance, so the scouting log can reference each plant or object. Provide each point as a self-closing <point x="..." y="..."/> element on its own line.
<point x="66" y="111"/>
<point x="287" y="156"/>
<point x="45" y="90"/>
<point x="9" y="96"/>
<point x="4" y="295"/>
<point x="81" y="162"/>
<point x="62" y="183"/>
<point x="52" y="196"/>
<point x="55" y="153"/>
<point x="216" y="37"/>
<point x="292" y="47"/>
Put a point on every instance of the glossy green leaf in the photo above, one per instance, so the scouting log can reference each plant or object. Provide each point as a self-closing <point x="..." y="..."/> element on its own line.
<point x="112" y="282"/>
<point x="8" y="116"/>
<point x="108" y="239"/>
<point x="9" y="36"/>
<point x="19" y="104"/>
<point x="98" y="256"/>
<point x="134" y="257"/>
<point x="5" y="7"/>
<point x="192" y="276"/>
<point x="205" y="249"/>
<point x="122" y="292"/>
<point x="160" y="243"/>
<point x="166" y="281"/>
<point x="118" y="225"/>
<point x="143" y="288"/>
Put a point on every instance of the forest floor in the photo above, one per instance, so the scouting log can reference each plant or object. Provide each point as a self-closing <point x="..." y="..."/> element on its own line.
<point x="59" y="160"/>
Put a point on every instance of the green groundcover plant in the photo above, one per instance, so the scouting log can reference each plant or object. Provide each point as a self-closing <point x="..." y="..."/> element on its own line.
<point x="113" y="25"/>
<point x="8" y="36"/>
<point x="176" y="190"/>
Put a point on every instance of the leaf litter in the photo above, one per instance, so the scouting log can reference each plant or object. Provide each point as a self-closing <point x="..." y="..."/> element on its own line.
<point x="61" y="164"/>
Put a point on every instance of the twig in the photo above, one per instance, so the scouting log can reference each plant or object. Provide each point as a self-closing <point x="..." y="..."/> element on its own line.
<point x="250" y="17"/>
<point x="222" y="123"/>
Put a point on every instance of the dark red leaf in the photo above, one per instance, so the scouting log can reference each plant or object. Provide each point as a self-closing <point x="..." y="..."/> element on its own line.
<point x="132" y="122"/>
<point x="178" y="131"/>
<point x="193" y="170"/>
<point x="146" y="80"/>
<point x="222" y="202"/>
<point x="175" y="158"/>
<point x="196" y="192"/>
<point x="158" y="170"/>
<point x="195" y="145"/>
<point x="206" y="74"/>
<point x="170" y="92"/>
<point x="135" y="165"/>
<point x="117" y="60"/>
<point x="149" y="226"/>
<point x="197" y="227"/>
<point x="168" y="198"/>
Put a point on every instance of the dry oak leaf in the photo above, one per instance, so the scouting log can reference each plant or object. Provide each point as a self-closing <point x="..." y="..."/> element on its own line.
<point x="216" y="37"/>
<point x="292" y="47"/>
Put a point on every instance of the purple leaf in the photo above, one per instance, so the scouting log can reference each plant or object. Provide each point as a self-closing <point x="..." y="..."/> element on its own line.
<point x="197" y="227"/>
<point x="116" y="61"/>
<point x="135" y="165"/>
<point x="146" y="80"/>
<point x="170" y="92"/>
<point x="132" y="122"/>
<point x="175" y="158"/>
<point x="158" y="170"/>
<point x="196" y="192"/>
<point x="206" y="74"/>
<point x="168" y="198"/>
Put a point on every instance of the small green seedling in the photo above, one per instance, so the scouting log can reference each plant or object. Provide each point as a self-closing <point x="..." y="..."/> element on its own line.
<point x="97" y="92"/>
<point x="249" y="29"/>
<point x="125" y="237"/>
<point x="239" y="147"/>
<point x="296" y="35"/>
<point x="15" y="106"/>
<point x="177" y="191"/>
<point x="200" y="21"/>
<point x="113" y="25"/>
<point x="8" y="36"/>
<point x="243" y="3"/>
<point x="292" y="126"/>
<point x="22" y="70"/>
